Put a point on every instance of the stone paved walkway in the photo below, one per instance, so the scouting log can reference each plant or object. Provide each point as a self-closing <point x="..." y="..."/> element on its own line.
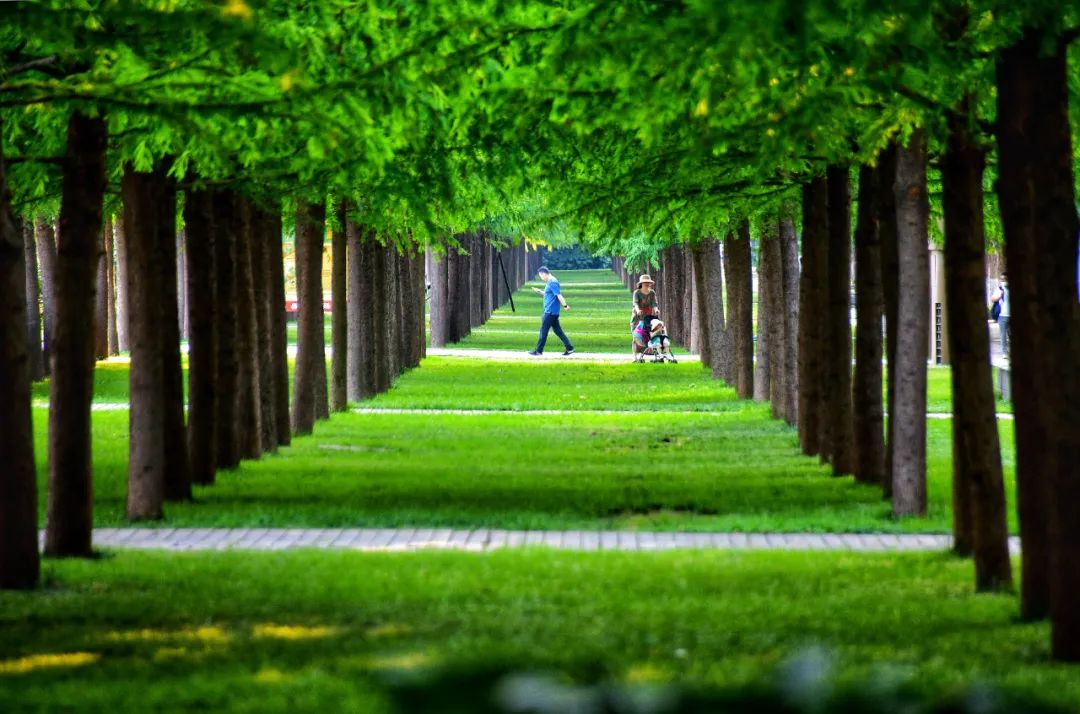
<point x="483" y="539"/>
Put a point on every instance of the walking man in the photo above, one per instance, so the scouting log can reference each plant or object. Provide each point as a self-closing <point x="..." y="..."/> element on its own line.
<point x="1001" y="296"/>
<point x="553" y="300"/>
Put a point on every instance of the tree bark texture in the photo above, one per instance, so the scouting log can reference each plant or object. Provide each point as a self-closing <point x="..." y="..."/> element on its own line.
<point x="101" y="304"/>
<point x="360" y="375"/>
<point x="740" y="297"/>
<point x="339" y="316"/>
<point x="225" y="223"/>
<point x="811" y="298"/>
<point x="890" y="290"/>
<point x="110" y="300"/>
<point x="1038" y="206"/>
<point x="121" y="283"/>
<point x="70" y="504"/>
<point x="773" y="292"/>
<point x="35" y="358"/>
<point x="789" y="255"/>
<point x="143" y="196"/>
<point x="867" y="406"/>
<point x="45" y="238"/>
<point x="378" y="334"/>
<point x="279" y="339"/>
<point x="979" y="522"/>
<point x="763" y="346"/>
<point x="262" y="277"/>
<point x="913" y="325"/>
<point x="437" y="273"/>
<point x="202" y="340"/>
<point x="20" y="565"/>
<point x="842" y="446"/>
<point x="177" y="464"/>
<point x="248" y="403"/>
<point x="310" y="357"/>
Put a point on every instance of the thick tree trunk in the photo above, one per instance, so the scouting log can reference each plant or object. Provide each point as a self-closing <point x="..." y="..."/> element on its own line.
<point x="1038" y="207"/>
<point x="202" y="342"/>
<point x="225" y="223"/>
<point x="101" y="303"/>
<point x="740" y="298"/>
<point x="248" y="403"/>
<point x="379" y="334"/>
<point x="110" y="300"/>
<point x="310" y="357"/>
<point x="762" y="364"/>
<point x="70" y="508"/>
<point x="437" y="305"/>
<point x="869" y="416"/>
<point x="20" y="566"/>
<point x="890" y="290"/>
<point x="979" y="522"/>
<point x="392" y="312"/>
<point x="776" y="339"/>
<point x="279" y="339"/>
<point x="181" y="285"/>
<point x="46" y="249"/>
<point x="35" y="359"/>
<point x="262" y="277"/>
<point x="913" y="325"/>
<point x="339" y="316"/>
<point x="122" y="301"/>
<point x="710" y="289"/>
<point x="811" y="298"/>
<point x="177" y="464"/>
<point x="841" y="447"/>
<point x="476" y="281"/>
<point x="789" y="255"/>
<point x="361" y="321"/>
<point x="143" y="196"/>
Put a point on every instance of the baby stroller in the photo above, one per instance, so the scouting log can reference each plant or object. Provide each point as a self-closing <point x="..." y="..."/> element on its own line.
<point x="650" y="340"/>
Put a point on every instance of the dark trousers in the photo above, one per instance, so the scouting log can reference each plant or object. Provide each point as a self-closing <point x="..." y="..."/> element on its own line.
<point x="551" y="322"/>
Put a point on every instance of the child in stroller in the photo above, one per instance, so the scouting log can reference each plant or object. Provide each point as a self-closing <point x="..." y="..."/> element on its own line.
<point x="650" y="339"/>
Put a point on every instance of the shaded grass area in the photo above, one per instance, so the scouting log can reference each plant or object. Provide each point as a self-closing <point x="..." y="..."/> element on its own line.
<point x="328" y="631"/>
<point x="727" y="470"/>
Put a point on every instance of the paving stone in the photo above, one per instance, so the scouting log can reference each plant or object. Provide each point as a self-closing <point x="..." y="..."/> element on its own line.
<point x="572" y="540"/>
<point x="497" y="539"/>
<point x="590" y="540"/>
<point x="627" y="541"/>
<point x="609" y="540"/>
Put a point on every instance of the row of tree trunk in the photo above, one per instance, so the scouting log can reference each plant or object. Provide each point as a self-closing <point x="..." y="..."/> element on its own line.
<point x="470" y="280"/>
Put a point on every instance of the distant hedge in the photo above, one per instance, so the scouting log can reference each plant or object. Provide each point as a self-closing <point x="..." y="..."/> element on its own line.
<point x="573" y="258"/>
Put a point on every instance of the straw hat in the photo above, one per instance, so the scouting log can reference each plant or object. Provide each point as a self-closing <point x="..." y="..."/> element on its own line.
<point x="645" y="279"/>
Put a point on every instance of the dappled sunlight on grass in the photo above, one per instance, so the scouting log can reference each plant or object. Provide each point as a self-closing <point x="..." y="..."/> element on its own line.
<point x="31" y="663"/>
<point x="207" y="634"/>
<point x="294" y="632"/>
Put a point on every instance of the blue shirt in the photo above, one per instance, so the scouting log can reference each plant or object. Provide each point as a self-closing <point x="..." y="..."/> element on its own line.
<point x="551" y="297"/>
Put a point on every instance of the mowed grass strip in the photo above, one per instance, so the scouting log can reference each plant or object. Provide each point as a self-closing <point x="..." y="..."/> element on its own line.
<point x="318" y="631"/>
<point x="735" y="470"/>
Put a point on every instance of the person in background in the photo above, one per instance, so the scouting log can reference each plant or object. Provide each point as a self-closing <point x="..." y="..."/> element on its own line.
<point x="553" y="300"/>
<point x="645" y="303"/>
<point x="1001" y="296"/>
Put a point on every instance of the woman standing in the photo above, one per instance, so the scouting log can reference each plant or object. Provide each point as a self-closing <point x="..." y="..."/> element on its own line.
<point x="645" y="303"/>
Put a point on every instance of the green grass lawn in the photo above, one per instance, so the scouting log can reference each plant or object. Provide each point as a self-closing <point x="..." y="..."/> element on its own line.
<point x="331" y="631"/>
<point x="679" y="453"/>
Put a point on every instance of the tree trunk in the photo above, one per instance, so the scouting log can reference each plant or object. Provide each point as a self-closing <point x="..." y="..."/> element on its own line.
<point x="811" y="297"/>
<point x="979" y="510"/>
<point x="437" y="306"/>
<point x="202" y="341"/>
<point x="762" y="364"/>
<point x="392" y="312"/>
<point x="225" y="223"/>
<point x="262" y="277"/>
<point x="710" y="289"/>
<point x="789" y="255"/>
<point x="1038" y="207"/>
<point x="310" y="357"/>
<point x="101" y="303"/>
<point x="869" y="412"/>
<point x="46" y="249"/>
<point x="360" y="315"/>
<point x="777" y="342"/>
<point x="890" y="290"/>
<point x="35" y="360"/>
<point x="122" y="301"/>
<point x="177" y="464"/>
<point x="143" y="196"/>
<point x="70" y="508"/>
<point x="110" y="300"/>
<point x="248" y="403"/>
<point x="279" y="339"/>
<point x="913" y="325"/>
<point x="339" y="315"/>
<point x="842" y="447"/>
<point x="20" y="565"/>
<point x="378" y="334"/>
<point x="740" y="298"/>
